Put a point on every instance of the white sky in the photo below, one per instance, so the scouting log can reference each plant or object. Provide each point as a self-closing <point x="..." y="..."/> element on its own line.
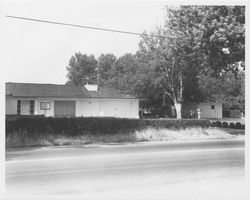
<point x="39" y="52"/>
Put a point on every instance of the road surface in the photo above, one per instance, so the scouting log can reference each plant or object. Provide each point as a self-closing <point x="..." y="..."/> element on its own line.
<point x="125" y="168"/>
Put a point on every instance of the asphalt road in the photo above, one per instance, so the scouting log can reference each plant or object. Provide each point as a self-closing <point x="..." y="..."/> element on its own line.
<point x="131" y="168"/>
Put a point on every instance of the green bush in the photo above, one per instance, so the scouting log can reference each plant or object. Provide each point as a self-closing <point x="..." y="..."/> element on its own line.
<point x="37" y="127"/>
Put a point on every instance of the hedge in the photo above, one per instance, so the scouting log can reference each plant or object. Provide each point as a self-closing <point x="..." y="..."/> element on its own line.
<point x="93" y="125"/>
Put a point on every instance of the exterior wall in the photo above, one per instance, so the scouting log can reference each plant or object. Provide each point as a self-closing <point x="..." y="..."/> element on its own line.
<point x="124" y="108"/>
<point x="10" y="106"/>
<point x="87" y="108"/>
<point x="135" y="108"/>
<point x="84" y="107"/>
<point x="207" y="112"/>
<point x="235" y="114"/>
<point x="48" y="113"/>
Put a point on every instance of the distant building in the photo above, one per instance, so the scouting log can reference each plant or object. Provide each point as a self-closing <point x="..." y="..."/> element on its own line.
<point x="207" y="110"/>
<point x="68" y="101"/>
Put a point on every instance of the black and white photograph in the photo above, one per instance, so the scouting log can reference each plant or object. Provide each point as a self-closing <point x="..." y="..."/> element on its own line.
<point x="123" y="99"/>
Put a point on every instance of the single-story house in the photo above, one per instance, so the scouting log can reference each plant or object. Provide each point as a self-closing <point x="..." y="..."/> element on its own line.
<point x="207" y="109"/>
<point x="68" y="100"/>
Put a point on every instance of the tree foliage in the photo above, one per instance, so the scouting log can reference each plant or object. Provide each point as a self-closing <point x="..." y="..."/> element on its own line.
<point x="82" y="69"/>
<point x="216" y="41"/>
<point x="223" y="39"/>
<point x="195" y="55"/>
<point x="229" y="89"/>
<point x="123" y="72"/>
<point x="105" y="65"/>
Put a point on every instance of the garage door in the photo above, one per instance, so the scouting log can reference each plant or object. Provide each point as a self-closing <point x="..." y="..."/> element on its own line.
<point x="65" y="108"/>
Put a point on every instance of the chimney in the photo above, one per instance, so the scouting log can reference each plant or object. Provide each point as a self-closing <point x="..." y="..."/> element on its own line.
<point x="91" y="87"/>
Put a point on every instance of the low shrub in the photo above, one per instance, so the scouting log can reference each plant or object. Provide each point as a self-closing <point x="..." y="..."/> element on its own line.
<point x="218" y="123"/>
<point x="224" y="124"/>
<point x="231" y="125"/>
<point x="213" y="124"/>
<point x="238" y="125"/>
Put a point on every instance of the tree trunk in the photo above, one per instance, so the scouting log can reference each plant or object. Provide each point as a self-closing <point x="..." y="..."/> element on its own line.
<point x="178" y="101"/>
<point x="178" y="109"/>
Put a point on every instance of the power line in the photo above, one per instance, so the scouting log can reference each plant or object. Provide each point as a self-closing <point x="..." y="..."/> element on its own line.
<point x="86" y="27"/>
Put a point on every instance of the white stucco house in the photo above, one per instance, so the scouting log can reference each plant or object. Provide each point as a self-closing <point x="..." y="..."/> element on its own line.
<point x="67" y="100"/>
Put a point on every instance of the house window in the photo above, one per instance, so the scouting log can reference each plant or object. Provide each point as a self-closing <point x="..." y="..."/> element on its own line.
<point x="212" y="107"/>
<point x="19" y="107"/>
<point x="32" y="105"/>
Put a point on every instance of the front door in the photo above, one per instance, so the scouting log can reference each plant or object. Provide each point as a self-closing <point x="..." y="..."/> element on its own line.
<point x="25" y="107"/>
<point x="65" y="108"/>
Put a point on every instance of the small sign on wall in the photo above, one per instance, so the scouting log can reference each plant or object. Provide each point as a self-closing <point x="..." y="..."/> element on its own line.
<point x="45" y="105"/>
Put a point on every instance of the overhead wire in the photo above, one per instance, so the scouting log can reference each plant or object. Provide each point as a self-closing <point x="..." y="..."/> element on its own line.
<point x="86" y="27"/>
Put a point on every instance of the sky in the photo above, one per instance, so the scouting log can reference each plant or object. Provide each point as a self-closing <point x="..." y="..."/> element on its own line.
<point x="36" y="52"/>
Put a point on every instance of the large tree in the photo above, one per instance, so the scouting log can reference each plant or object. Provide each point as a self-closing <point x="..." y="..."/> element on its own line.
<point x="195" y="41"/>
<point x="171" y="55"/>
<point x="82" y="69"/>
<point x="165" y="66"/>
